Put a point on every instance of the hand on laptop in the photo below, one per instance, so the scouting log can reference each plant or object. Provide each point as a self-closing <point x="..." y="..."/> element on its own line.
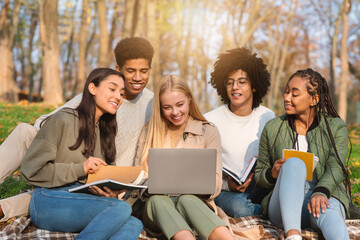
<point x="234" y="187"/>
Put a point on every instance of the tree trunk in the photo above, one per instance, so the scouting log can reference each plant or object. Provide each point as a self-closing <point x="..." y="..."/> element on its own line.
<point x="103" y="35"/>
<point x="254" y="20"/>
<point x="274" y="47"/>
<point x="152" y="34"/>
<point x="284" y="51"/>
<point x="68" y="64"/>
<point x="334" y="41"/>
<point x="138" y="19"/>
<point x="344" y="77"/>
<point x="113" y="28"/>
<point x="280" y="56"/>
<point x="128" y="18"/>
<point x="8" y="22"/>
<point x="82" y="47"/>
<point x="30" y="71"/>
<point x="48" y="16"/>
<point x="188" y="43"/>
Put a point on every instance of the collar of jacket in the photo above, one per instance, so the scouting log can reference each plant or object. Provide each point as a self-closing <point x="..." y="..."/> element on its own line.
<point x="194" y="126"/>
<point x="314" y="124"/>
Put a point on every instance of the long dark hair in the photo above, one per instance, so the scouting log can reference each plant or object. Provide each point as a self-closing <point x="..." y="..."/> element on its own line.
<point x="324" y="108"/>
<point x="107" y="122"/>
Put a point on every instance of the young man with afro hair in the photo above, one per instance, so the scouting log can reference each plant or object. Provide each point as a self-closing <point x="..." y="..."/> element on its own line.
<point x="241" y="80"/>
<point x="133" y="57"/>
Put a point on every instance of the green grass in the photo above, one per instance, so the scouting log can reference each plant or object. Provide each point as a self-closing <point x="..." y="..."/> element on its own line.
<point x="354" y="163"/>
<point x="14" y="185"/>
<point x="12" y="114"/>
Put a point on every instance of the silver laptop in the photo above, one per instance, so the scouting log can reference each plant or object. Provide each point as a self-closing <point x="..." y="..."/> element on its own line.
<point x="182" y="171"/>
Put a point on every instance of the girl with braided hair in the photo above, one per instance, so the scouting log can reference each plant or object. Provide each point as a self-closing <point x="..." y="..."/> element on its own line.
<point x="310" y="124"/>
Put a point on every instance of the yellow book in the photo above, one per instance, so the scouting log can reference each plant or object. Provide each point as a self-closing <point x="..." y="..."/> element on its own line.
<point x="307" y="158"/>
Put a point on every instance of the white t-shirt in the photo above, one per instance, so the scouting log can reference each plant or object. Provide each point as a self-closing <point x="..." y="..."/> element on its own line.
<point x="131" y="117"/>
<point x="239" y="135"/>
<point x="301" y="143"/>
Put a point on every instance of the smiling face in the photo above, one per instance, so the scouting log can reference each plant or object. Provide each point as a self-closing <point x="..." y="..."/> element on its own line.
<point x="136" y="72"/>
<point x="297" y="100"/>
<point x="108" y="95"/>
<point x="240" y="95"/>
<point x="175" y="107"/>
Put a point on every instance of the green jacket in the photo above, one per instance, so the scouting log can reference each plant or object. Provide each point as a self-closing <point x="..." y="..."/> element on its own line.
<point x="329" y="173"/>
<point x="49" y="162"/>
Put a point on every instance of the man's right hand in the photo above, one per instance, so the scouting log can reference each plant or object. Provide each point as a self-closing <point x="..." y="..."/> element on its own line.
<point x="235" y="187"/>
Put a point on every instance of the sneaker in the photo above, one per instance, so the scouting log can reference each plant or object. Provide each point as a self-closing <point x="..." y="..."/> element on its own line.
<point x="294" y="237"/>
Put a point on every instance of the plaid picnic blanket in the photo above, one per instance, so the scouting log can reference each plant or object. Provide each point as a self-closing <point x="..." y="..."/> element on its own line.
<point x="22" y="229"/>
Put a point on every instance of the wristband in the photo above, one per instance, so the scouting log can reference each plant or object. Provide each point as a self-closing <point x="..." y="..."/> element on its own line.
<point x="320" y="193"/>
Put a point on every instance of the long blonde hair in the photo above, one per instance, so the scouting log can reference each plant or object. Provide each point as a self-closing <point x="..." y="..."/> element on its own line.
<point x="158" y="125"/>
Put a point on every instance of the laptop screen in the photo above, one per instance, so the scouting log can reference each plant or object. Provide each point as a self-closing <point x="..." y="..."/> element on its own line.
<point x="182" y="171"/>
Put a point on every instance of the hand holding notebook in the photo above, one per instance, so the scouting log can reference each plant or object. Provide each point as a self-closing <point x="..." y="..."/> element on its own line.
<point x="309" y="159"/>
<point x="240" y="179"/>
<point x="113" y="177"/>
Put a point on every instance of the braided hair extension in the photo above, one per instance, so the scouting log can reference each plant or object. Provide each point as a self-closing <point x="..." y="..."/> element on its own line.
<point x="318" y="86"/>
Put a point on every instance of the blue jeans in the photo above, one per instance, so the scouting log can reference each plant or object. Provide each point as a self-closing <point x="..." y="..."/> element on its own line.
<point x="236" y="204"/>
<point x="94" y="217"/>
<point x="288" y="204"/>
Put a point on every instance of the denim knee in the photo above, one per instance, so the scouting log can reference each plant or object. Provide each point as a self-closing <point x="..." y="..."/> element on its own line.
<point x="332" y="222"/>
<point x="294" y="163"/>
<point x="135" y="222"/>
<point x="237" y="204"/>
<point x="129" y="231"/>
<point x="122" y="207"/>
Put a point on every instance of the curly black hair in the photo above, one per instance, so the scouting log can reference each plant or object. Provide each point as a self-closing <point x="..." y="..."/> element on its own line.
<point x="133" y="48"/>
<point x="244" y="59"/>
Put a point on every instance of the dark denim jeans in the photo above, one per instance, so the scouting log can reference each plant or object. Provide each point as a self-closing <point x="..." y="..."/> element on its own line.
<point x="94" y="217"/>
<point x="236" y="204"/>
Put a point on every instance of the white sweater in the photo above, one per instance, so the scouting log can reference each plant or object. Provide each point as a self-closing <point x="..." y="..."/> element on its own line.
<point x="239" y="135"/>
<point x="131" y="117"/>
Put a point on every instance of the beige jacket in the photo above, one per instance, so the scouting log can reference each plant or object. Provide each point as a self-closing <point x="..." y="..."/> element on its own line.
<point x="205" y="135"/>
<point x="198" y="135"/>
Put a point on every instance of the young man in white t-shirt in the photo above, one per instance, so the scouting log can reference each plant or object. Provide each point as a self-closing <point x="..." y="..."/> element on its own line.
<point x="241" y="80"/>
<point x="133" y="57"/>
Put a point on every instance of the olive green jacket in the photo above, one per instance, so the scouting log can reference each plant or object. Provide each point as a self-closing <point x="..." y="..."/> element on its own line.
<point x="49" y="162"/>
<point x="329" y="172"/>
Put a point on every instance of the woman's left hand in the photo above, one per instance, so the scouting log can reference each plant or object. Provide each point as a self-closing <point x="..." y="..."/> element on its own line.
<point x="316" y="203"/>
<point x="107" y="193"/>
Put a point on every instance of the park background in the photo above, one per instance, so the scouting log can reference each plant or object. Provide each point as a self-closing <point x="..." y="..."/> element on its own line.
<point x="47" y="48"/>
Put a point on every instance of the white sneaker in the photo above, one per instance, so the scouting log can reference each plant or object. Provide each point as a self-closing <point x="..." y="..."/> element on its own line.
<point x="294" y="237"/>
